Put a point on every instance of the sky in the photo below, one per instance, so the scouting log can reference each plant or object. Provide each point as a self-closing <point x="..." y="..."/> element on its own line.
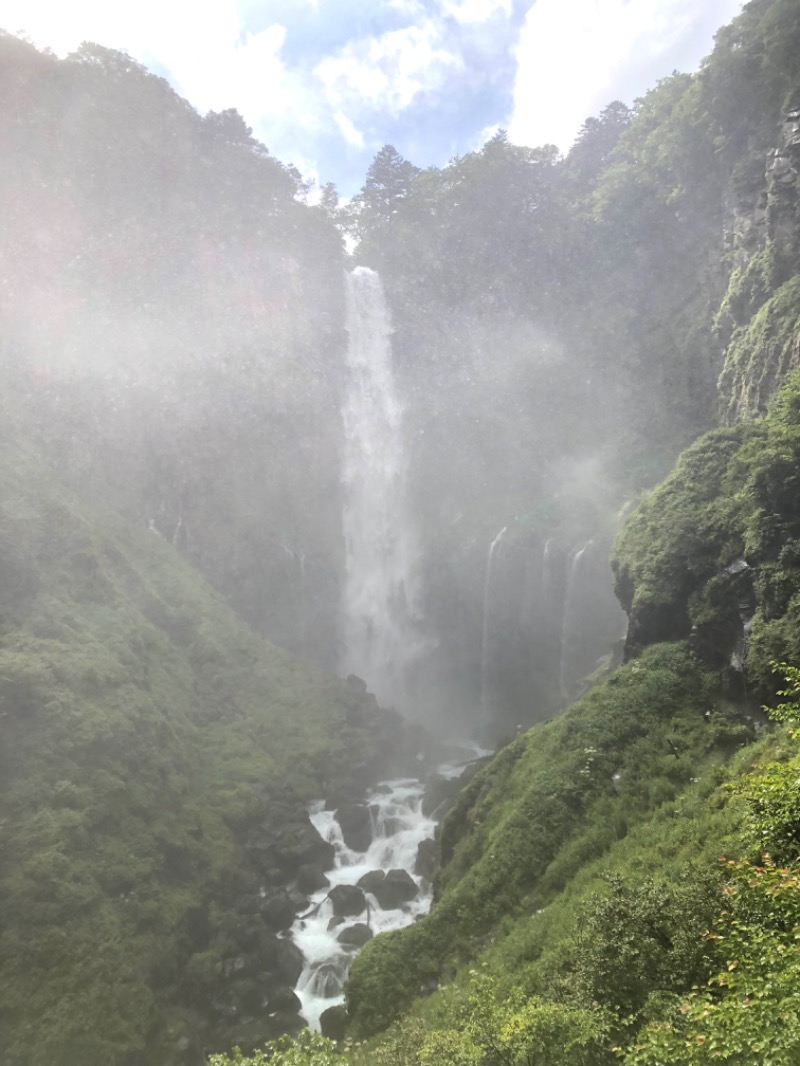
<point x="326" y="83"/>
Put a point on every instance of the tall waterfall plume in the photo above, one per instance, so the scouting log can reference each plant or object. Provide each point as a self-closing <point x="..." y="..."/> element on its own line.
<point x="380" y="619"/>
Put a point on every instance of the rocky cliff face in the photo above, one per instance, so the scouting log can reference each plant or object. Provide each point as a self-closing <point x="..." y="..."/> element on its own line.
<point x="759" y="321"/>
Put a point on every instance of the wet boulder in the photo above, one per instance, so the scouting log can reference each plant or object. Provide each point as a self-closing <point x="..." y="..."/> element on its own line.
<point x="427" y="861"/>
<point x="278" y="908"/>
<point x="301" y="844"/>
<point x="333" y="1022"/>
<point x="355" y="936"/>
<point x="284" y="1000"/>
<point x="356" y="826"/>
<point x="310" y="878"/>
<point x="397" y="887"/>
<point x="439" y="795"/>
<point x="282" y="965"/>
<point x="347" y="900"/>
<point x="372" y="880"/>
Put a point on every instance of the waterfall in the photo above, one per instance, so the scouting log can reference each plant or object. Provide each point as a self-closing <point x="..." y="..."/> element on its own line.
<point x="380" y="640"/>
<point x="548" y="544"/>
<point x="487" y="594"/>
<point x="568" y="617"/>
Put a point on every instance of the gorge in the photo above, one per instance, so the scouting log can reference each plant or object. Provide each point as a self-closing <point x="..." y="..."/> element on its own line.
<point x="295" y="531"/>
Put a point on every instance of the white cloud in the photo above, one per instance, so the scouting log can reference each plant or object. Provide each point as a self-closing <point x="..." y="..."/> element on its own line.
<point x="350" y="133"/>
<point x="386" y="73"/>
<point x="476" y="10"/>
<point x="153" y="26"/>
<point x="485" y="135"/>
<point x="575" y="58"/>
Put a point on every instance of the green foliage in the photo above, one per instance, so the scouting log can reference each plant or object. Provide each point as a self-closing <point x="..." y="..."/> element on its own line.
<point x="306" y="1049"/>
<point x="773" y="793"/>
<point x="679" y="537"/>
<point x="498" y="1026"/>
<point x="644" y="939"/>
<point x="748" y="1011"/>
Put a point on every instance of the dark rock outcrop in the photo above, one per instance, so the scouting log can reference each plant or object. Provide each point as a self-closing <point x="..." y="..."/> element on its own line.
<point x="356" y="824"/>
<point x="310" y="878"/>
<point x="428" y="859"/>
<point x="278" y="908"/>
<point x="372" y="880"/>
<point x="333" y="1022"/>
<point x="355" y="936"/>
<point x="397" y="887"/>
<point x="347" y="900"/>
<point x="439" y="794"/>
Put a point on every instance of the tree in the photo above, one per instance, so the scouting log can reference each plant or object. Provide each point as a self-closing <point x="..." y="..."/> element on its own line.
<point x="389" y="181"/>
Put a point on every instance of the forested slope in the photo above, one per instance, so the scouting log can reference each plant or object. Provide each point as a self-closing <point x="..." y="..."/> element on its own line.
<point x="156" y="760"/>
<point x="174" y="315"/>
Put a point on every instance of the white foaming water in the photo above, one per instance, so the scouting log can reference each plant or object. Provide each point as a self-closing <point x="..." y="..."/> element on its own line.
<point x="398" y="828"/>
<point x="381" y="641"/>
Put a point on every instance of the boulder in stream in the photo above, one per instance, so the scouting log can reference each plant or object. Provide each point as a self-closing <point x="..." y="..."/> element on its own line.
<point x="428" y="861"/>
<point x="278" y="908"/>
<point x="355" y="936"/>
<point x="369" y="882"/>
<point x="397" y="887"/>
<point x="356" y="825"/>
<point x="347" y="900"/>
<point x="284" y="1000"/>
<point x="333" y="1022"/>
<point x="310" y="878"/>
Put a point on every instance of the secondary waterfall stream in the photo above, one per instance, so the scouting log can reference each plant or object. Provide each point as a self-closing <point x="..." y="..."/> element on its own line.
<point x="487" y="603"/>
<point x="569" y="619"/>
<point x="381" y="641"/>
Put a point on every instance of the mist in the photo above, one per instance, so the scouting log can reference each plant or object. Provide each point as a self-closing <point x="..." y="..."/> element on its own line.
<point x="311" y="501"/>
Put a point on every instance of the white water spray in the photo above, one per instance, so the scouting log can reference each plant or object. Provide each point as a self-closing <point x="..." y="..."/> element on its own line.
<point x="381" y="641"/>
<point x="487" y="603"/>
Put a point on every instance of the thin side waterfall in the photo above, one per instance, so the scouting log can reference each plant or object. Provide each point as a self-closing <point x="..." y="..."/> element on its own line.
<point x="487" y="601"/>
<point x="380" y="637"/>
<point x="548" y="544"/>
<point x="569" y="612"/>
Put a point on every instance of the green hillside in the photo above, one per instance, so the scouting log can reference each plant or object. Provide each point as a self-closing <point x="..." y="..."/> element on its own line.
<point x="156" y="759"/>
